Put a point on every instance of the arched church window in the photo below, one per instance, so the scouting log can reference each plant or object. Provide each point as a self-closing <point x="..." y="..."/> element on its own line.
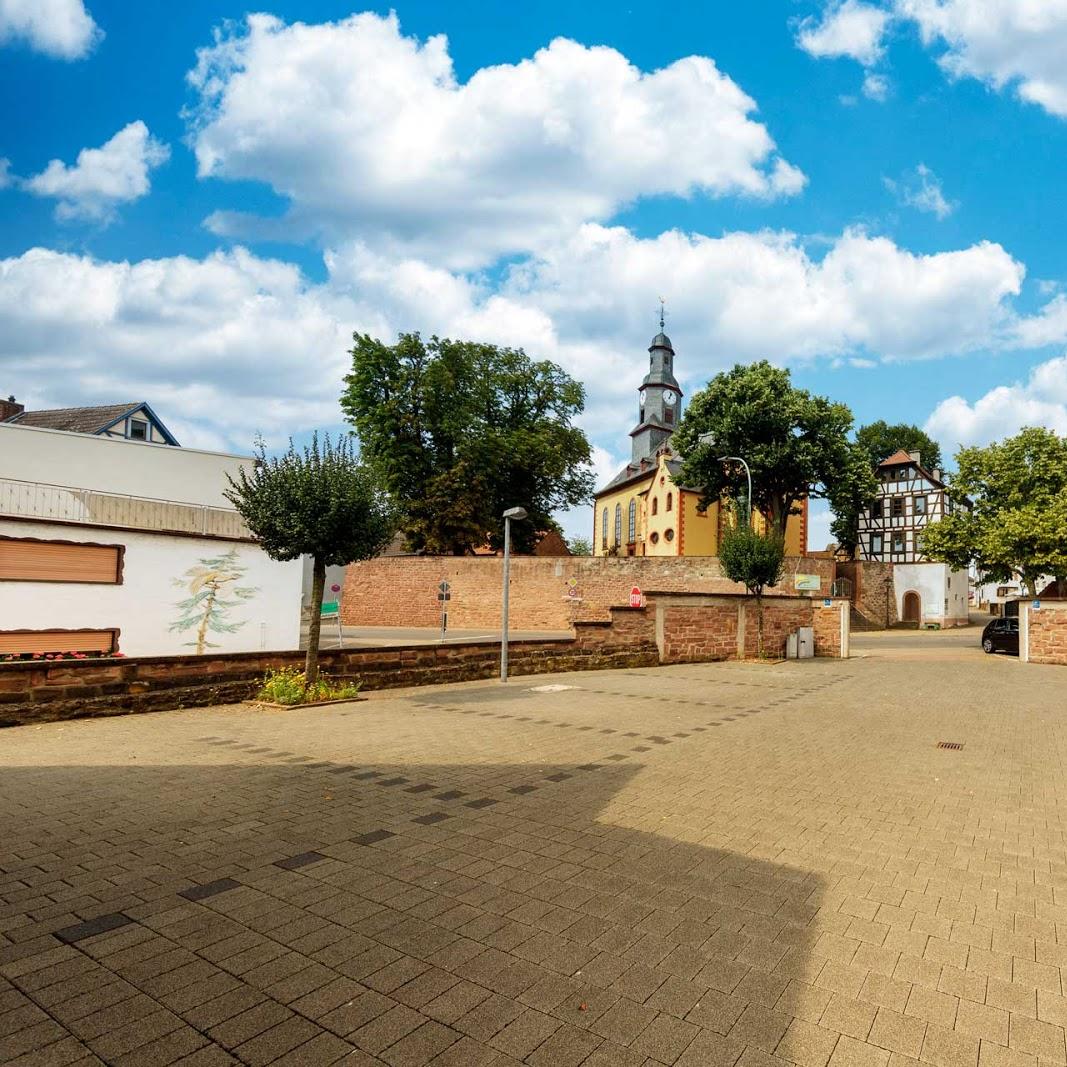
<point x="604" y="528"/>
<point x="655" y="505"/>
<point x="632" y="522"/>
<point x="618" y="524"/>
<point x="670" y="501"/>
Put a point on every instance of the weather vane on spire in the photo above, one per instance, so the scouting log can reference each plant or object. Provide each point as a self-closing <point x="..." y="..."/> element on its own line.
<point x="661" y="313"/>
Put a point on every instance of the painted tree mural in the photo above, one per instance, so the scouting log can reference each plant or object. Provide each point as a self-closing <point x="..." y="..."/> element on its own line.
<point x="213" y="593"/>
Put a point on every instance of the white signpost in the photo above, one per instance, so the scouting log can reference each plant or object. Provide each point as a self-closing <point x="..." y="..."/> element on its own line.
<point x="444" y="595"/>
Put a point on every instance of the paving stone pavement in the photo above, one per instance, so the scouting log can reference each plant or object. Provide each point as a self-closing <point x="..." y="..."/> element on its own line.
<point x="700" y="865"/>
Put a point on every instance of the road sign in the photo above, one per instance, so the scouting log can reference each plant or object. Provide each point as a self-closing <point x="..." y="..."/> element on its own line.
<point x="444" y="596"/>
<point x="443" y="587"/>
<point x="636" y="599"/>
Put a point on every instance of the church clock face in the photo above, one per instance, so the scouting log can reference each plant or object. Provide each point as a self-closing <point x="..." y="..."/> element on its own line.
<point x="669" y="397"/>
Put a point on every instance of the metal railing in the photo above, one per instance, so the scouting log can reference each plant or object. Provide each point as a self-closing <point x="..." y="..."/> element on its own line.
<point x="61" y="503"/>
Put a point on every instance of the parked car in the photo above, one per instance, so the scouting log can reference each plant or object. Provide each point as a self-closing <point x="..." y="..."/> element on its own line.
<point x="1001" y="635"/>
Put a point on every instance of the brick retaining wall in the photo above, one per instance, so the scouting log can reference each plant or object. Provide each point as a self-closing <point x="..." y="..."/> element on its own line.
<point x="671" y="628"/>
<point x="868" y="579"/>
<point x="402" y="590"/>
<point x="1046" y="630"/>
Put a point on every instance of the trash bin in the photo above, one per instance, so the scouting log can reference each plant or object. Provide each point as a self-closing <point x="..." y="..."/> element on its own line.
<point x="792" y="645"/>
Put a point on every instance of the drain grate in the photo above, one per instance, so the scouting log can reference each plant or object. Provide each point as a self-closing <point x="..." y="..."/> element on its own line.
<point x="950" y="744"/>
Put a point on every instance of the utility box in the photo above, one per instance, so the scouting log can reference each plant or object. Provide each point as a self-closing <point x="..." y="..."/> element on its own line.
<point x="792" y="645"/>
<point x="805" y="642"/>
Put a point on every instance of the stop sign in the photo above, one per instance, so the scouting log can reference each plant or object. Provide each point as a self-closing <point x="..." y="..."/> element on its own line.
<point x="635" y="597"/>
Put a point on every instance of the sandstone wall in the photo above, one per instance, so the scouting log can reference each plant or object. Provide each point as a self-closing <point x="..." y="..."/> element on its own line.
<point x="1047" y="632"/>
<point x="546" y="593"/>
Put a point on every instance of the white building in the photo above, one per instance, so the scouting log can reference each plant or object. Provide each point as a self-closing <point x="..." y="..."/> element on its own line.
<point x="890" y="531"/>
<point x="113" y="544"/>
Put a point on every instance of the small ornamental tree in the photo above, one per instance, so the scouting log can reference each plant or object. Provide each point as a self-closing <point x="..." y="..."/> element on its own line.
<point x="319" y="502"/>
<point x="757" y="561"/>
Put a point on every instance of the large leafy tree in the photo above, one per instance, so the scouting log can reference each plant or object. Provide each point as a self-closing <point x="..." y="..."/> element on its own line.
<point x="754" y="559"/>
<point x="460" y="431"/>
<point x="880" y="440"/>
<point x="318" y="501"/>
<point x="1012" y="518"/>
<point x="796" y="444"/>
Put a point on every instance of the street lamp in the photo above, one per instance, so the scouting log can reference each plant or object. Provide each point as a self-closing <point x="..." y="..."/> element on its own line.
<point x="709" y="440"/>
<point x="518" y="514"/>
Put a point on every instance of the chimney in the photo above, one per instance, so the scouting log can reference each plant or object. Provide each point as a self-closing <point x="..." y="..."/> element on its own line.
<point x="915" y="457"/>
<point x="936" y="472"/>
<point x="9" y="409"/>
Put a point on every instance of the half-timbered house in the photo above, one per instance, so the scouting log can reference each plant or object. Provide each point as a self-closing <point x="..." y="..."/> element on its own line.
<point x="910" y="497"/>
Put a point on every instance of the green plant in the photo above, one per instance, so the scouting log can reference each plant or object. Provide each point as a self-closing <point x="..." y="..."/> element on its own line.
<point x="756" y="560"/>
<point x="320" y="501"/>
<point x="461" y="431"/>
<point x="290" y="686"/>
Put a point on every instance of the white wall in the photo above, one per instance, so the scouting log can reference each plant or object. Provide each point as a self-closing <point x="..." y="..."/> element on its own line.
<point x="154" y="581"/>
<point x="935" y="583"/>
<point x="109" y="465"/>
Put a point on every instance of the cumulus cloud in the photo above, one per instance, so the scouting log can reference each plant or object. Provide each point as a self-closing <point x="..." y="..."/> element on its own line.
<point x="1017" y="44"/>
<point x="222" y="346"/>
<point x="1039" y="401"/>
<point x="368" y="132"/>
<point x="102" y="178"/>
<point x="876" y="87"/>
<point x="921" y="189"/>
<point x="266" y="347"/>
<point x="59" y="28"/>
<point x="851" y="29"/>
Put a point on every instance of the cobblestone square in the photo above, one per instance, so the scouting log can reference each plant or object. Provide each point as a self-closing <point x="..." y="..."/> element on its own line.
<point x="701" y="865"/>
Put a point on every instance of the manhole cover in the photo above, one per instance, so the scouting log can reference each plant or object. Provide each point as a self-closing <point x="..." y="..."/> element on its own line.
<point x="950" y="744"/>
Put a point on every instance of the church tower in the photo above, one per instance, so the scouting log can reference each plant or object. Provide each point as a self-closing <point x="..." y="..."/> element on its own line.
<point x="660" y="399"/>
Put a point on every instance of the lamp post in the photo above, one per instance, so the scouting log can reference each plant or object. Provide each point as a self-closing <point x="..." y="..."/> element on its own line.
<point x="709" y="440"/>
<point x="511" y="513"/>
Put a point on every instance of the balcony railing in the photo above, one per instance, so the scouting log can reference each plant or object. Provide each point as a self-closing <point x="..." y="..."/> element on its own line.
<point x="61" y="503"/>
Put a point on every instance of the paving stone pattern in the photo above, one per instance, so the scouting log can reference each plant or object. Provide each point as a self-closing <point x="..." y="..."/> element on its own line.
<point x="710" y="865"/>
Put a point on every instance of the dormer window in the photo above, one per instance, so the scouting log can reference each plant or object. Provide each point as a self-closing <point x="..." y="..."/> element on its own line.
<point x="138" y="430"/>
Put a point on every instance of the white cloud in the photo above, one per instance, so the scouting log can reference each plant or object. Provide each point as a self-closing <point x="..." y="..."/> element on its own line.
<point x="102" y="178"/>
<point x="1047" y="327"/>
<point x="819" y="519"/>
<point x="922" y="191"/>
<point x="367" y="132"/>
<point x="221" y="347"/>
<point x="59" y="28"/>
<point x="851" y="29"/>
<point x="1017" y="44"/>
<point x="5" y="173"/>
<point x="1039" y="401"/>
<point x="865" y="294"/>
<point x="876" y="87"/>
<point x="1021" y="43"/>
<point x="233" y="343"/>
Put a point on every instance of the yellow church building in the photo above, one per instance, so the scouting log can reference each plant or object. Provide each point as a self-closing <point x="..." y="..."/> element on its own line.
<point x="643" y="511"/>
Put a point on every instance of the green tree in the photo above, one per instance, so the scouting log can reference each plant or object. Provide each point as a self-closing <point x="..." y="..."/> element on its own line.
<point x="880" y="440"/>
<point x="796" y="445"/>
<point x="319" y="501"/>
<point x="754" y="559"/>
<point x="460" y="431"/>
<point x="580" y="546"/>
<point x="1011" y="517"/>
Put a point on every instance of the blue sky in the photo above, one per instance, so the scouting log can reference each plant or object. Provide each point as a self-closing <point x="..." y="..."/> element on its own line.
<point x="198" y="208"/>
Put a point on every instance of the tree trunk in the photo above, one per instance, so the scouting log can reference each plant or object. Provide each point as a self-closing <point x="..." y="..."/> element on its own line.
<point x="318" y="584"/>
<point x="759" y="626"/>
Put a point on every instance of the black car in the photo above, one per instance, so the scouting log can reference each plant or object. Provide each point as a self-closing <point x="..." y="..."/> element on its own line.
<point x="1001" y="635"/>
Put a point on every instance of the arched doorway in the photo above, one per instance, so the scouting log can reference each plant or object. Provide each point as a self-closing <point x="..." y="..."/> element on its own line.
<point x="912" y="607"/>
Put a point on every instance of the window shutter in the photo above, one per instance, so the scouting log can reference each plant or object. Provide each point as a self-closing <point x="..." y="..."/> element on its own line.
<point x="30" y="560"/>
